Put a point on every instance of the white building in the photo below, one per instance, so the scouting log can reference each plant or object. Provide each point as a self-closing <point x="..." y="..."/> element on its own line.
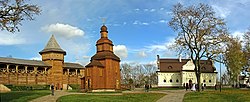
<point x="177" y="72"/>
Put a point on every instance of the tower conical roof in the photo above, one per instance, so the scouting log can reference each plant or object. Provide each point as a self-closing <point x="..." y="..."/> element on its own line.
<point x="52" y="46"/>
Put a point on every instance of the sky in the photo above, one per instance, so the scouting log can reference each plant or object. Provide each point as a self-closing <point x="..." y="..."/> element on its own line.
<point x="138" y="28"/>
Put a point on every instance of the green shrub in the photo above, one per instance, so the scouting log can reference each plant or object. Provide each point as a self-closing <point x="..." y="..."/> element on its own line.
<point x="27" y="87"/>
<point x="75" y="86"/>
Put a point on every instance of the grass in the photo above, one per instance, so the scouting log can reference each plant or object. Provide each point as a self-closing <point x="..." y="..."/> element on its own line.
<point x="226" y="95"/>
<point x="22" y="96"/>
<point x="139" y="97"/>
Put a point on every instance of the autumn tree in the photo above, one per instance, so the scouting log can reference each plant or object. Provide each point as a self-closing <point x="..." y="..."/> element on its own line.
<point x="235" y="59"/>
<point x="201" y="34"/>
<point x="12" y="12"/>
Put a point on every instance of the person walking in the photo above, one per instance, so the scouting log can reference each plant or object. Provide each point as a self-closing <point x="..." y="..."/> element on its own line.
<point x="52" y="89"/>
<point x="202" y="86"/>
<point x="186" y="86"/>
<point x="146" y="87"/>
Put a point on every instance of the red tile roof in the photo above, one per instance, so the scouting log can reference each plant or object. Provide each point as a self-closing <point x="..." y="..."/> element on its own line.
<point x="174" y="65"/>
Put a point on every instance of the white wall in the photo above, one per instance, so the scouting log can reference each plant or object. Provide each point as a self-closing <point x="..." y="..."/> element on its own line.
<point x="210" y="79"/>
<point x="167" y="77"/>
<point x="186" y="76"/>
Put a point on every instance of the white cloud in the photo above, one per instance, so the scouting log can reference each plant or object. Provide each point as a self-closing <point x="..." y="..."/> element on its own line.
<point x="238" y="34"/>
<point x="144" y="23"/>
<point x="142" y="54"/>
<point x="146" y="10"/>
<point x="10" y="39"/>
<point x="63" y="30"/>
<point x="137" y="9"/>
<point x="121" y="51"/>
<point x="140" y="23"/>
<point x="36" y="58"/>
<point x="152" y="10"/>
<point x="85" y="57"/>
<point x="163" y="21"/>
<point x="221" y="11"/>
<point x="136" y="22"/>
<point x="157" y="47"/>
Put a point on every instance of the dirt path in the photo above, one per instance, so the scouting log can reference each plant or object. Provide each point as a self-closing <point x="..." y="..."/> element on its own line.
<point x="50" y="98"/>
<point x="173" y="95"/>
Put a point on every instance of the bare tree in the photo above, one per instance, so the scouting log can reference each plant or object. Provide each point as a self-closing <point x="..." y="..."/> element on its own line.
<point x="150" y="73"/>
<point x="12" y="12"/>
<point x="126" y="73"/>
<point x="200" y="33"/>
<point x="225" y="78"/>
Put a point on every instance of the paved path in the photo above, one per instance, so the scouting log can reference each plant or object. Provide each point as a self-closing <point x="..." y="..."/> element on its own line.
<point x="50" y="98"/>
<point x="172" y="95"/>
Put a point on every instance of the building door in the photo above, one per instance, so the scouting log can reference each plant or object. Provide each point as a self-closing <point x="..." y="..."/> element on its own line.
<point x="88" y="84"/>
<point x="190" y="83"/>
<point x="83" y="83"/>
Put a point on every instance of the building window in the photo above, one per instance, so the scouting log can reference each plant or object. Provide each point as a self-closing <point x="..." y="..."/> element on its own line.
<point x="164" y="80"/>
<point x="210" y="81"/>
<point x="177" y="80"/>
<point x="170" y="80"/>
<point x="170" y="67"/>
<point x="204" y="81"/>
<point x="100" y="72"/>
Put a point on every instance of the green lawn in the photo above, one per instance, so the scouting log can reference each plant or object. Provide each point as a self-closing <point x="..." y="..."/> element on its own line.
<point x="139" y="97"/>
<point x="227" y="95"/>
<point x="22" y="96"/>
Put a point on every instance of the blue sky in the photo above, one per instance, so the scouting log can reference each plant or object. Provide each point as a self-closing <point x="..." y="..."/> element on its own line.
<point x="138" y="28"/>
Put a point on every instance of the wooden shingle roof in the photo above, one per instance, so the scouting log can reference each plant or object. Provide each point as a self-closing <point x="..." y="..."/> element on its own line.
<point x="94" y="63"/>
<point x="105" y="55"/>
<point x="72" y="65"/>
<point x="52" y="46"/>
<point x="22" y="61"/>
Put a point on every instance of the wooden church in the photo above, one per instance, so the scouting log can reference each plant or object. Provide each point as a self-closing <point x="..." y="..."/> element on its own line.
<point x="103" y="71"/>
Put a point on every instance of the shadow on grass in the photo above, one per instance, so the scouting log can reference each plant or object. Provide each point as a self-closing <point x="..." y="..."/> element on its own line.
<point x="226" y="95"/>
<point x="22" y="96"/>
<point x="141" y="97"/>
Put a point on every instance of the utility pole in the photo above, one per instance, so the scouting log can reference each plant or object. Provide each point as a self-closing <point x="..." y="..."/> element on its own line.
<point x="220" y="72"/>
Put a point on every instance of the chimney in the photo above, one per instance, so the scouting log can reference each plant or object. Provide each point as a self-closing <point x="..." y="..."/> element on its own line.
<point x="179" y="57"/>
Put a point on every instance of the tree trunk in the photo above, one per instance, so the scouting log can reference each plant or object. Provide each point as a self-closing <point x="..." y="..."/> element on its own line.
<point x="198" y="81"/>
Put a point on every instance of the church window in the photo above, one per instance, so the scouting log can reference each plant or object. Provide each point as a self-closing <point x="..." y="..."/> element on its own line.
<point x="177" y="80"/>
<point x="204" y="81"/>
<point x="210" y="81"/>
<point x="100" y="72"/>
<point x="164" y="80"/>
<point x="171" y="80"/>
<point x="88" y="72"/>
